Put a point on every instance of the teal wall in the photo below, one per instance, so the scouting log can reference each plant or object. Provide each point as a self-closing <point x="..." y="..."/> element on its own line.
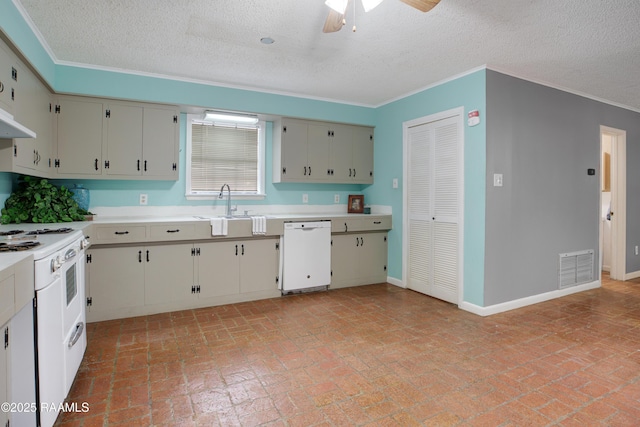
<point x="13" y="26"/>
<point x="467" y="92"/>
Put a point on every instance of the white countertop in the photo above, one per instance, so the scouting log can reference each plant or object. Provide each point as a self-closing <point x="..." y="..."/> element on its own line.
<point x="9" y="259"/>
<point x="196" y="218"/>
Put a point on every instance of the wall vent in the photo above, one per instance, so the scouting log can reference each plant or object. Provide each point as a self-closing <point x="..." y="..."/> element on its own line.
<point x="575" y="268"/>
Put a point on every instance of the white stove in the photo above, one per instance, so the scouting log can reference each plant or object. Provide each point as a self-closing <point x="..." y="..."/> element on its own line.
<point x="59" y="327"/>
<point x="37" y="240"/>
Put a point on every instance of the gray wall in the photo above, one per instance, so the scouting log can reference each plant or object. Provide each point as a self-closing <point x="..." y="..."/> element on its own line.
<point x="543" y="141"/>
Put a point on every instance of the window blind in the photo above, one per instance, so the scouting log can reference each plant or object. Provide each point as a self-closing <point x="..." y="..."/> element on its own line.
<point x="224" y="155"/>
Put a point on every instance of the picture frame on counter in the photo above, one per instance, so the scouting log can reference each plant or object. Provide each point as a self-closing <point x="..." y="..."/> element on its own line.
<point x="356" y="203"/>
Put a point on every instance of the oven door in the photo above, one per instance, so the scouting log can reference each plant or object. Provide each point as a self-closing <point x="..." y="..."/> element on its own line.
<point x="73" y="313"/>
<point x="62" y="336"/>
<point x="51" y="382"/>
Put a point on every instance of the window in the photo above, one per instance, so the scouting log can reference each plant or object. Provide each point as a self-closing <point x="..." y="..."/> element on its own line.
<point x="219" y="154"/>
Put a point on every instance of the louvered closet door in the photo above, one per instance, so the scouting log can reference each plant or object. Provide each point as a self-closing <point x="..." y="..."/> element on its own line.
<point x="433" y="208"/>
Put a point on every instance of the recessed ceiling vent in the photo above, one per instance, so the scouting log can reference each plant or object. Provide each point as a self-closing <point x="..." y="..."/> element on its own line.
<point x="575" y="268"/>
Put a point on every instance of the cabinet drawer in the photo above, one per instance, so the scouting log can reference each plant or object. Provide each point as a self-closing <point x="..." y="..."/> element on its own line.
<point x="361" y="223"/>
<point x="177" y="231"/>
<point x="120" y="233"/>
<point x="375" y="223"/>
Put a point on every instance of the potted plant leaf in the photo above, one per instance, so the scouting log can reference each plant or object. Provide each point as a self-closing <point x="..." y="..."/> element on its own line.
<point x="37" y="200"/>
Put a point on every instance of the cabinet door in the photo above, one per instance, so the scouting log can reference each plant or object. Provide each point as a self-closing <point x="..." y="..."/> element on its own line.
<point x="294" y="150"/>
<point x="168" y="273"/>
<point x="115" y="278"/>
<point x="344" y="260"/>
<point x="4" y="377"/>
<point x="372" y="257"/>
<point x="35" y="112"/>
<point x="123" y="141"/>
<point x="362" y="155"/>
<point x="7" y="83"/>
<point x="258" y="265"/>
<point x="218" y="271"/>
<point x="342" y="154"/>
<point x="79" y="136"/>
<point x="317" y="152"/>
<point x="160" y="144"/>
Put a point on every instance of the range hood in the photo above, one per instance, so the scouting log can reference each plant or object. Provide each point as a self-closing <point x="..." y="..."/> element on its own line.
<point x="9" y="128"/>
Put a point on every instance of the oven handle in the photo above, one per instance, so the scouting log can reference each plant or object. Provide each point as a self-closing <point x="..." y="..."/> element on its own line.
<point x="77" y="334"/>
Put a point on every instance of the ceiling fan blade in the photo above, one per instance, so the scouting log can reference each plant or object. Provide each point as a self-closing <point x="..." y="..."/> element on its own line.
<point x="422" y="5"/>
<point x="334" y="22"/>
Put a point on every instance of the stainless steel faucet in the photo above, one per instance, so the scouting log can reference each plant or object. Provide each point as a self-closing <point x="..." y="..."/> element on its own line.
<point x="229" y="213"/>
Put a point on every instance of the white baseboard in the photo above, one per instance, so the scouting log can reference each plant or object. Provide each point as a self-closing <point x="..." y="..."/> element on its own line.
<point x="632" y="275"/>
<point x="396" y="282"/>
<point x="523" y="302"/>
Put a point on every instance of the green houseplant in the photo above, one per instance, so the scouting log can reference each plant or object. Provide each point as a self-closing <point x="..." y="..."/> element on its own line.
<point x="37" y="200"/>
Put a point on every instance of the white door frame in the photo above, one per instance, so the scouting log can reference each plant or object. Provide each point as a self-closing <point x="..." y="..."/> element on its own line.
<point x="618" y="202"/>
<point x="454" y="112"/>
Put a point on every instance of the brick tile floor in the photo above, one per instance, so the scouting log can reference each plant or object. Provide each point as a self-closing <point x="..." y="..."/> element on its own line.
<point x="368" y="356"/>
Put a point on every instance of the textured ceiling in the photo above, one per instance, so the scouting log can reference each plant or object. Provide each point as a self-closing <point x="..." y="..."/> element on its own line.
<point x="587" y="46"/>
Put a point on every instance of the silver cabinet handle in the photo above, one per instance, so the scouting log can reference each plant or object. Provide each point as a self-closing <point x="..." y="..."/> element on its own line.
<point x="77" y="334"/>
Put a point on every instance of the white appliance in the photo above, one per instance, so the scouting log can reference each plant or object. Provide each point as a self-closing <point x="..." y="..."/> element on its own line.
<point x="61" y="337"/>
<point x="306" y="255"/>
<point x="58" y="317"/>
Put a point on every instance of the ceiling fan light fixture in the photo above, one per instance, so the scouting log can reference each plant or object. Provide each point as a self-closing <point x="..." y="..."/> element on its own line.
<point x="339" y="6"/>
<point x="370" y="4"/>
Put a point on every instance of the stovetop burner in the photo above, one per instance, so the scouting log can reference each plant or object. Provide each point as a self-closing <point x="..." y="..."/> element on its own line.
<point x="14" y="247"/>
<point x="52" y="231"/>
<point x="11" y="232"/>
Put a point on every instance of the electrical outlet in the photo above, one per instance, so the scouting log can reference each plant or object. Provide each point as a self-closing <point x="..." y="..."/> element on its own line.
<point x="636" y="249"/>
<point x="305" y="198"/>
<point x="336" y="198"/>
<point x="143" y="199"/>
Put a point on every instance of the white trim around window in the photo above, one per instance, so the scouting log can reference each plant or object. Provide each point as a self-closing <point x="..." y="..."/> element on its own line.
<point x="212" y="193"/>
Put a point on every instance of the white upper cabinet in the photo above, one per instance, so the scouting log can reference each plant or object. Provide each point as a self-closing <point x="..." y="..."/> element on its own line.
<point x="115" y="139"/>
<point x="310" y="151"/>
<point x="8" y="79"/>
<point x="362" y="148"/>
<point x="78" y="133"/>
<point x="160" y="140"/>
<point x="123" y="147"/>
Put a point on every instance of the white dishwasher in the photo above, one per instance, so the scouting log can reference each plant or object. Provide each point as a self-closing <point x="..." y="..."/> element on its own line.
<point x="306" y="255"/>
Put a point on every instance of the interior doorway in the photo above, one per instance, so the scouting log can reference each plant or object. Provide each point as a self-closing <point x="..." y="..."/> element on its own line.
<point x="613" y="147"/>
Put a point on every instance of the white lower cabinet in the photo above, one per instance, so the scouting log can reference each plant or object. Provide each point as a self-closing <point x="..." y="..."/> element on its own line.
<point x="237" y="267"/>
<point x="114" y="280"/>
<point x="17" y="370"/>
<point x="358" y="259"/>
<point x="4" y="376"/>
<point x="124" y="281"/>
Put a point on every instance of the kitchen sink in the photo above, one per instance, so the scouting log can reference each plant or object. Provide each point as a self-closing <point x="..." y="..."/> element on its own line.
<point x="233" y="217"/>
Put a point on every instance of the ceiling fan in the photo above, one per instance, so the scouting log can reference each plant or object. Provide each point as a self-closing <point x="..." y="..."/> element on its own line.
<point x="338" y="8"/>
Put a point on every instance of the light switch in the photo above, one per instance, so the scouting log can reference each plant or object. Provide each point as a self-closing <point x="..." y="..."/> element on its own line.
<point x="395" y="183"/>
<point x="497" y="180"/>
